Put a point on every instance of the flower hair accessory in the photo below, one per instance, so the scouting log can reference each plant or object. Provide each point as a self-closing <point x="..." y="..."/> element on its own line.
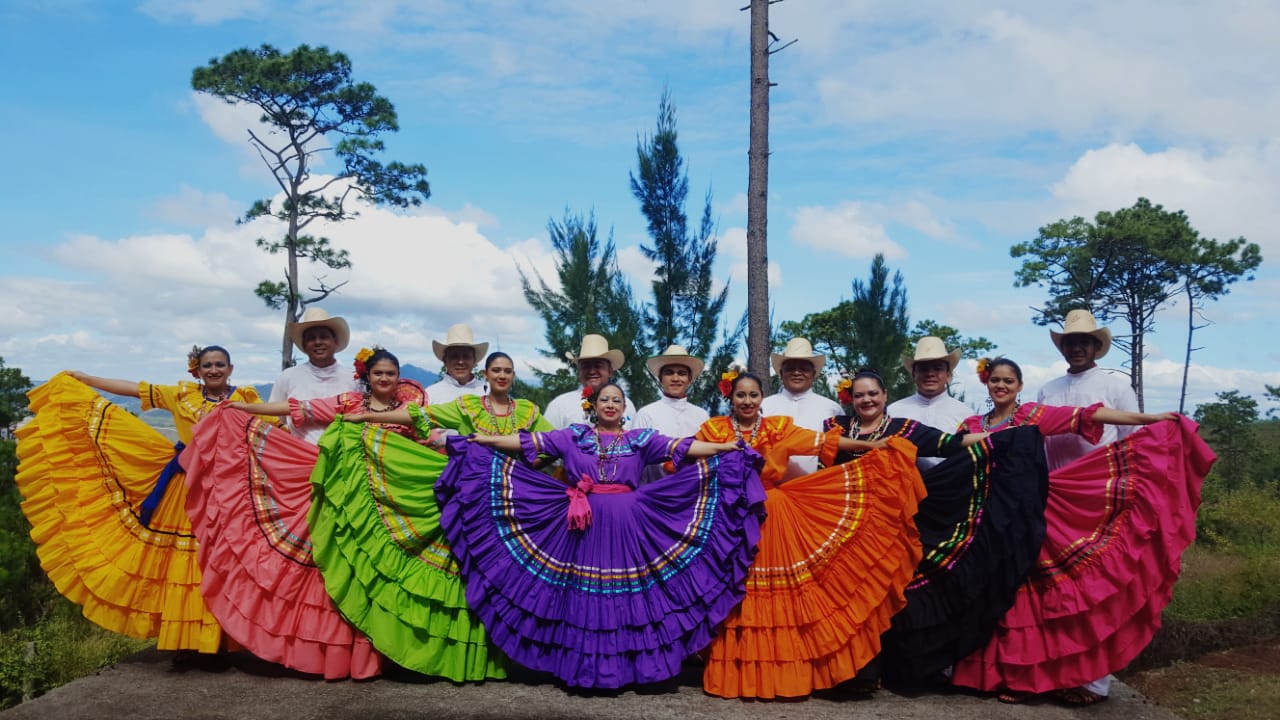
<point x="984" y="370"/>
<point x="193" y="361"/>
<point x="361" y="363"/>
<point x="726" y="380"/>
<point x="587" y="396"/>
<point x="844" y="390"/>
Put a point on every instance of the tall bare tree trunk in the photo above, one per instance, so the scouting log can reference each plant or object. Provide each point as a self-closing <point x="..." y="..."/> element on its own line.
<point x="758" y="340"/>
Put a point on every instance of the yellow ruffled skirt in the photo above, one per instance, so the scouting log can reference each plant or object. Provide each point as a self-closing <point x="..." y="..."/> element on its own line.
<point x="85" y="466"/>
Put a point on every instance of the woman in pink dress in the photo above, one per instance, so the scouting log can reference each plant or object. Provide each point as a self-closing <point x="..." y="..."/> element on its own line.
<point x="1117" y="522"/>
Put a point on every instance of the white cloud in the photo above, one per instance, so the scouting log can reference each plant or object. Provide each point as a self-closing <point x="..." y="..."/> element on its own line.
<point x="850" y="229"/>
<point x="193" y="208"/>
<point x="1226" y="194"/>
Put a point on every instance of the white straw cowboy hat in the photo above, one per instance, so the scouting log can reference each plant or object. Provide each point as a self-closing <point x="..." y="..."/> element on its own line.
<point x="459" y="336"/>
<point x="797" y="349"/>
<point x="674" y="355"/>
<point x="1082" y="322"/>
<point x="317" y="317"/>
<point x="931" y="348"/>
<point x="597" y="347"/>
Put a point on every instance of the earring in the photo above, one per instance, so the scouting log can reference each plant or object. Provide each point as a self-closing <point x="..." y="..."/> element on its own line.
<point x="990" y="403"/>
<point x="1018" y="399"/>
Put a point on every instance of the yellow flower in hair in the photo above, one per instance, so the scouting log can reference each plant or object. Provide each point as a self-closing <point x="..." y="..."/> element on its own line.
<point x="364" y="355"/>
<point x="193" y="361"/>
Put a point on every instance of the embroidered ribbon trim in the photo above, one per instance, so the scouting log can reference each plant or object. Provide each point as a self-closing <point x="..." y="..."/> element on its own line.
<point x="149" y="505"/>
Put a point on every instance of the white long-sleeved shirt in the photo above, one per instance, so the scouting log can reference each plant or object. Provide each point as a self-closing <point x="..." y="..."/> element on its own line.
<point x="1081" y="390"/>
<point x="673" y="417"/>
<point x="566" y="409"/>
<point x="808" y="410"/>
<point x="308" y="382"/>
<point x="449" y="389"/>
<point x="940" y="411"/>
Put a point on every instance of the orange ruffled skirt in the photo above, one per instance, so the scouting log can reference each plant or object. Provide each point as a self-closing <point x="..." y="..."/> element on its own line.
<point x="85" y="466"/>
<point x="249" y="492"/>
<point x="835" y="556"/>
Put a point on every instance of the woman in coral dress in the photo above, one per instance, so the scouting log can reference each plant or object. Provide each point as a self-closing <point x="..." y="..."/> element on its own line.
<point x="1118" y="520"/>
<point x="105" y="496"/>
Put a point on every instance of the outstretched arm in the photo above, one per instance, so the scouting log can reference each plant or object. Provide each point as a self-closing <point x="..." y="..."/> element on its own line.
<point x="1111" y="416"/>
<point x="848" y="444"/>
<point x="702" y="448"/>
<point x="508" y="443"/>
<point x="399" y="416"/>
<point x="128" y="388"/>
<point x="278" y="409"/>
<point x="973" y="438"/>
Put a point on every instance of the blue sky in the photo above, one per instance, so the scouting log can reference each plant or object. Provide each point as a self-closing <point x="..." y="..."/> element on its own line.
<point x="939" y="133"/>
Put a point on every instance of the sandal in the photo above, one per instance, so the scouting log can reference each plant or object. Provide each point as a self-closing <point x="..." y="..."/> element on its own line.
<point x="1077" y="696"/>
<point x="1014" y="697"/>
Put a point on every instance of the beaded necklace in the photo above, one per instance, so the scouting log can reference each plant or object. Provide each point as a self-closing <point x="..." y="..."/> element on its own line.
<point x="986" y="419"/>
<point x="505" y="423"/>
<point x="755" y="430"/>
<point x="601" y="452"/>
<point x="855" y="429"/>
<point x="204" y="392"/>
<point x="368" y="398"/>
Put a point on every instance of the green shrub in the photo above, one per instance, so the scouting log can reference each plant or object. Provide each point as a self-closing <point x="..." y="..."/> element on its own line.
<point x="66" y="647"/>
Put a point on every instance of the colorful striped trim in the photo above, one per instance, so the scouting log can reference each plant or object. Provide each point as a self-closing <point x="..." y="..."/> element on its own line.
<point x="431" y="551"/>
<point x="266" y="512"/>
<point x="554" y="571"/>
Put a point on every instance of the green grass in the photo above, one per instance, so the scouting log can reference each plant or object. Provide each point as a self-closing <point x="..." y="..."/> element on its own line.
<point x="1197" y="692"/>
<point x="66" y="647"/>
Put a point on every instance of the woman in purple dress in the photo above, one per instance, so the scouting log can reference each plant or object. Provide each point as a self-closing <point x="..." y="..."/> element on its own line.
<point x="599" y="582"/>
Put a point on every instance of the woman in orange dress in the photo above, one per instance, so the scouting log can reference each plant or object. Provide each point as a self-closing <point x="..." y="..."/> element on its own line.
<point x="837" y="550"/>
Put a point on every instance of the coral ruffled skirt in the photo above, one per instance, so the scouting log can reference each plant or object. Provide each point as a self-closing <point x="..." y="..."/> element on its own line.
<point x="86" y="465"/>
<point x="627" y="599"/>
<point x="836" y="553"/>
<point x="376" y="535"/>
<point x="249" y="492"/>
<point x="1118" y="521"/>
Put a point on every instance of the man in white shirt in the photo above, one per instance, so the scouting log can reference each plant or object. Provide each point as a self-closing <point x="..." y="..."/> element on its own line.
<point x="595" y="363"/>
<point x="1081" y="343"/>
<point x="459" y="352"/>
<point x="931" y="367"/>
<point x="672" y="414"/>
<point x="797" y="366"/>
<point x="321" y="376"/>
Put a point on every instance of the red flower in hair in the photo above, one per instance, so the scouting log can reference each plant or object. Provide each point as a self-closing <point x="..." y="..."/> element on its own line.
<point x="984" y="370"/>
<point x="844" y="391"/>
<point x="587" y="394"/>
<point x="726" y="381"/>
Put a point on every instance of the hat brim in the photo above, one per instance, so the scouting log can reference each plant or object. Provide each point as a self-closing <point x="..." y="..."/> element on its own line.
<point x="341" y="333"/>
<point x="952" y="358"/>
<point x="776" y="360"/>
<point x="655" y="364"/>
<point x="439" y="348"/>
<point x="615" y="358"/>
<point x="1102" y="335"/>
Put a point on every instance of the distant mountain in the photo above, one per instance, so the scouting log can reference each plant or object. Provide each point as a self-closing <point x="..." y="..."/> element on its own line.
<point x="413" y="372"/>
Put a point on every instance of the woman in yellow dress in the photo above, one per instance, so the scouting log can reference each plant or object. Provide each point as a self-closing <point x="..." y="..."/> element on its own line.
<point x="106" y="498"/>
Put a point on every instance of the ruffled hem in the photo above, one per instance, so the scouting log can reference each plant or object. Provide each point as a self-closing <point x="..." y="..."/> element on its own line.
<point x="1118" y="521"/>
<point x="85" y="467"/>
<point x="836" y="555"/>
<point x="249" y="493"/>
<point x="376" y="536"/>
<point x="622" y="602"/>
<point x="982" y="525"/>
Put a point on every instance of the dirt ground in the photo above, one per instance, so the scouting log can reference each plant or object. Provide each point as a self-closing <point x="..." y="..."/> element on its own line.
<point x="1242" y="683"/>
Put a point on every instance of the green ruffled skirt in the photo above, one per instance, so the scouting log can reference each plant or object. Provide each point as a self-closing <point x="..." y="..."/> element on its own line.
<point x="375" y="530"/>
